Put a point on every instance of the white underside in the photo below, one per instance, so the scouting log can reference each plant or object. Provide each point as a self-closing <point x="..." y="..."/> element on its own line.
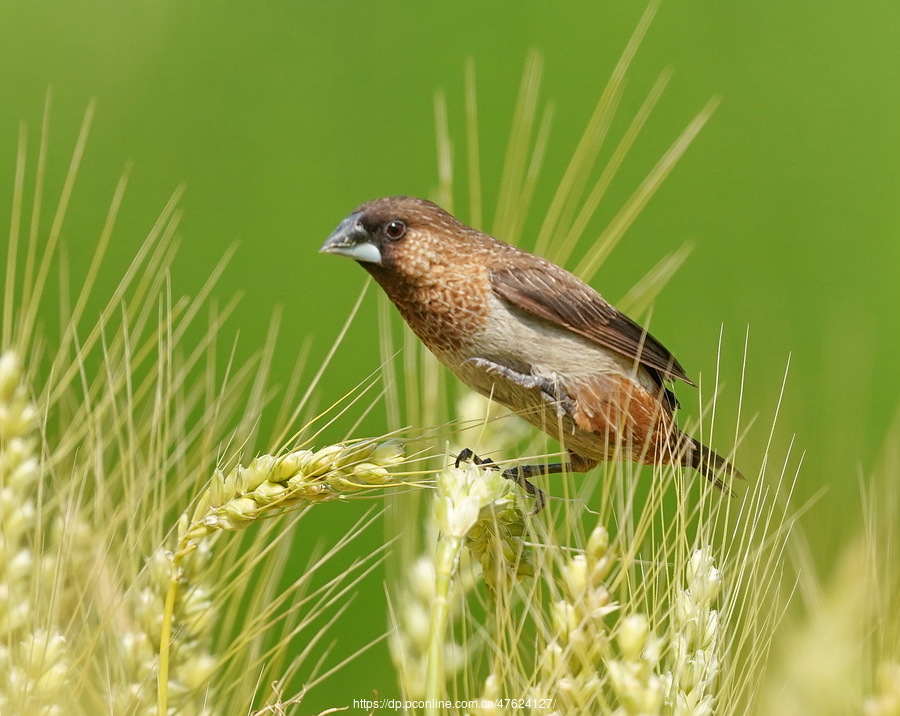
<point x="535" y="347"/>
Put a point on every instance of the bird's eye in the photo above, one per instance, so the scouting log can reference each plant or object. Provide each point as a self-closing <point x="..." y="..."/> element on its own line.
<point x="395" y="230"/>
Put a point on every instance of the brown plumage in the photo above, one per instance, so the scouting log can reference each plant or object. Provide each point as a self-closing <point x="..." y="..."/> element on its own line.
<point x="528" y="334"/>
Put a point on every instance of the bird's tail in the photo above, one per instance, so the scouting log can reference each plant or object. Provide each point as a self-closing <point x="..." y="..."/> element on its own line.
<point x="710" y="464"/>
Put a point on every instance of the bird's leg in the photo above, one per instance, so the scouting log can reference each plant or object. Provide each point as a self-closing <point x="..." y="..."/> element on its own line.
<point x="553" y="393"/>
<point x="521" y="473"/>
<point x="551" y="390"/>
<point x="523" y="379"/>
<point x="520" y="476"/>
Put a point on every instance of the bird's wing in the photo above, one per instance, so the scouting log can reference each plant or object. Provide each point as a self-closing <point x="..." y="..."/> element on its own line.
<point x="549" y="292"/>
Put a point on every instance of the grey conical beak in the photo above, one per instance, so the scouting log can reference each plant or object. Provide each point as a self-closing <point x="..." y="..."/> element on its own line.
<point x="351" y="239"/>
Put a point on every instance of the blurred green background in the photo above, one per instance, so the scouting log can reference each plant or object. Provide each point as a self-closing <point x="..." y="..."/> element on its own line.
<point x="281" y="117"/>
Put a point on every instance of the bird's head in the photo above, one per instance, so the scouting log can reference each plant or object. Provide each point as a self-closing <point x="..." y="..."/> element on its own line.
<point x="399" y="237"/>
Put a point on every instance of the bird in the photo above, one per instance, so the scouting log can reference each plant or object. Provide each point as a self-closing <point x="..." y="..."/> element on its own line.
<point x="529" y="335"/>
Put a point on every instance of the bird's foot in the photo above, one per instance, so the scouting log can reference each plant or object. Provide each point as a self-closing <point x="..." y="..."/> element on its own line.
<point x="551" y="390"/>
<point x="520" y="476"/>
<point x="465" y="455"/>
<point x="526" y="380"/>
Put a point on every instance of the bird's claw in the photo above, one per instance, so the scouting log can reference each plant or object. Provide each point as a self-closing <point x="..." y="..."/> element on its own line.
<point x="466" y="454"/>
<point x="551" y="388"/>
<point x="554" y="394"/>
<point x="515" y="474"/>
<point x="518" y="476"/>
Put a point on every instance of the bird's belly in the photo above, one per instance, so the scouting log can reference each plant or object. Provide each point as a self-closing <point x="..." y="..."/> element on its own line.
<point x="613" y="407"/>
<point x="597" y="428"/>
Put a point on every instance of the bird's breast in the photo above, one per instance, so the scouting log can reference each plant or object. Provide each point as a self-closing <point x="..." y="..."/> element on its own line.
<point x="449" y="315"/>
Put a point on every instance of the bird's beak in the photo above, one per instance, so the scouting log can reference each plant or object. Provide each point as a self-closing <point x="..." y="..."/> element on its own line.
<point x="352" y="240"/>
